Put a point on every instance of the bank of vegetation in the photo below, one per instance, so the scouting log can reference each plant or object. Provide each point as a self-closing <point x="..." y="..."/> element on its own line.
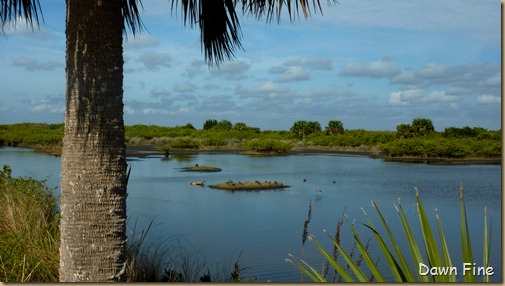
<point x="418" y="139"/>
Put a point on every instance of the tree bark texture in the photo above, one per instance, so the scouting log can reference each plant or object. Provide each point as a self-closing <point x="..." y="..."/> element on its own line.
<point x="93" y="176"/>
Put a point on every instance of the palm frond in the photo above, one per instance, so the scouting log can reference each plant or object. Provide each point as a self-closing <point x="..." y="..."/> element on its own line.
<point x="273" y="8"/>
<point x="131" y="16"/>
<point x="220" y="31"/>
<point x="12" y="10"/>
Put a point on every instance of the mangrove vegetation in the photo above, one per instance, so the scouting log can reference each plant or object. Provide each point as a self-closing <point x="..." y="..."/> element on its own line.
<point x="418" y="139"/>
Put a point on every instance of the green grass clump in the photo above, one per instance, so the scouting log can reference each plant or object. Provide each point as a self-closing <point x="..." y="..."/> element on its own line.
<point x="29" y="230"/>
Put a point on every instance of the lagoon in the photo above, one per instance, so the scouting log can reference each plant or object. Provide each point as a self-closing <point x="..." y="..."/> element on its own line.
<point x="264" y="227"/>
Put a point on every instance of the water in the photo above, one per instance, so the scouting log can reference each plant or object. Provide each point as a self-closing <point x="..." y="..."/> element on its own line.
<point x="264" y="227"/>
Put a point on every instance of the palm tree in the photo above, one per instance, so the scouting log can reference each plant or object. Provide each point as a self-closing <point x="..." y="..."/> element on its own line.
<point x="335" y="127"/>
<point x="94" y="170"/>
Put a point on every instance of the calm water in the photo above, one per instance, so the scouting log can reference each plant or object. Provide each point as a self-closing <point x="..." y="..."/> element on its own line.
<point x="263" y="227"/>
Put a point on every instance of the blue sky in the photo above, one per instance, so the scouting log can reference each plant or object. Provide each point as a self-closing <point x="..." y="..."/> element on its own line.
<point x="370" y="64"/>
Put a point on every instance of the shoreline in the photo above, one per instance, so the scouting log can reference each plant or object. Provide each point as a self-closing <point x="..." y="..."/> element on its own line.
<point x="147" y="150"/>
<point x="150" y="150"/>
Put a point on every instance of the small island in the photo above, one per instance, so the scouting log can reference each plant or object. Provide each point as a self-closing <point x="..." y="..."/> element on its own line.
<point x="198" y="168"/>
<point x="249" y="185"/>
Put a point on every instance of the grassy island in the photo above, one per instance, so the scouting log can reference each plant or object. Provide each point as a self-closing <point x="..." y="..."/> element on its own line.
<point x="248" y="185"/>
<point x="201" y="169"/>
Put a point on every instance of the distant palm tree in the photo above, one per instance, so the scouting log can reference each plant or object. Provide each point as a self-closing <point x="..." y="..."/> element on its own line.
<point x="94" y="170"/>
<point x="335" y="127"/>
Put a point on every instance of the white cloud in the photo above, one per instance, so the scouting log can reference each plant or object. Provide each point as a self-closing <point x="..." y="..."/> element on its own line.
<point x="150" y="111"/>
<point x="21" y="27"/>
<point x="405" y="97"/>
<point x="184" y="87"/>
<point x="381" y="68"/>
<point x="494" y="80"/>
<point x="50" y="103"/>
<point x="34" y="65"/>
<point x="154" y="61"/>
<point x="488" y="99"/>
<point x="440" y="96"/>
<point x="405" y="77"/>
<point x="319" y="63"/>
<point x="196" y="67"/>
<point x="141" y="41"/>
<point x="159" y="92"/>
<point x="479" y="20"/>
<point x="233" y="70"/>
<point x="129" y="110"/>
<point x="269" y="87"/>
<point x="432" y="70"/>
<point x="295" y="74"/>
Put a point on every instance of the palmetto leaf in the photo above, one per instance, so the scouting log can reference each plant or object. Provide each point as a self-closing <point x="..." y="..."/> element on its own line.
<point x="487" y="244"/>
<point x="432" y="251"/>
<point x="403" y="263"/>
<point x="439" y="260"/>
<point x="445" y="249"/>
<point x="366" y="256"/>
<point x="465" y="236"/>
<point x="412" y="243"/>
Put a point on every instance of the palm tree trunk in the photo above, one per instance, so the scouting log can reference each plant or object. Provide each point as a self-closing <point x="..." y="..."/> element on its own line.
<point x="93" y="181"/>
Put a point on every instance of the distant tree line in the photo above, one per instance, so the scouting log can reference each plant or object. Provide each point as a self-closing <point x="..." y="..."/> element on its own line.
<point x="416" y="139"/>
<point x="420" y="139"/>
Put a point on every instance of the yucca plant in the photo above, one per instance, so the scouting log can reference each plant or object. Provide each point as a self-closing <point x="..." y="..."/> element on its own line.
<point x="434" y="257"/>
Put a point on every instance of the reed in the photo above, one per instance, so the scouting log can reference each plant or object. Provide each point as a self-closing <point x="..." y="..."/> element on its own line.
<point x="305" y="233"/>
<point x="435" y="256"/>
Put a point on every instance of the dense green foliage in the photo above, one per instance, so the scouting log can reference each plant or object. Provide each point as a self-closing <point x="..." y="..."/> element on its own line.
<point x="31" y="133"/>
<point x="209" y="123"/>
<point x="303" y="128"/>
<point x="419" y="127"/>
<point x="351" y="138"/>
<point x="418" y="139"/>
<point x="183" y="143"/>
<point x="269" y="146"/>
<point x="421" y="140"/>
<point x="335" y="127"/>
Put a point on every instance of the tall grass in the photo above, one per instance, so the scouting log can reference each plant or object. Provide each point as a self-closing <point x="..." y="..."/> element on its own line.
<point x="29" y="230"/>
<point x="434" y="255"/>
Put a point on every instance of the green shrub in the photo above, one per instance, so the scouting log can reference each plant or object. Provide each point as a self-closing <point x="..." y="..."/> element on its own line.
<point x="183" y="143"/>
<point x="268" y="146"/>
<point x="491" y="150"/>
<point x="31" y="134"/>
<point x="214" y="142"/>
